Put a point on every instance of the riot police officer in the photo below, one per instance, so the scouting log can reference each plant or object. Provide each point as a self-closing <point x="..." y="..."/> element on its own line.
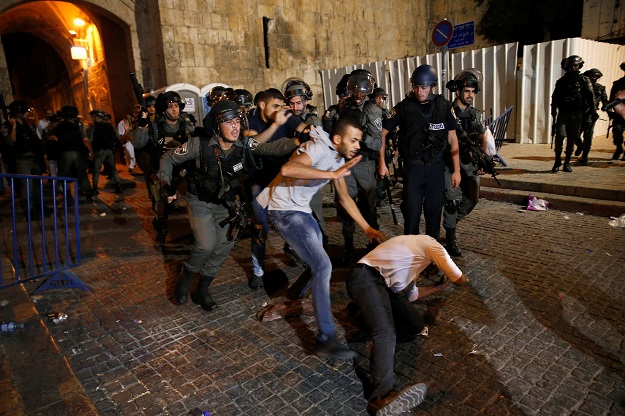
<point x="460" y="201"/>
<point x="104" y="139"/>
<point x="218" y="164"/>
<point x="571" y="101"/>
<point x="588" y="125"/>
<point x="170" y="129"/>
<point x="214" y="95"/>
<point x="332" y="113"/>
<point x="618" y="123"/>
<point x="379" y="96"/>
<point x="297" y="94"/>
<point x="426" y="127"/>
<point x="362" y="184"/>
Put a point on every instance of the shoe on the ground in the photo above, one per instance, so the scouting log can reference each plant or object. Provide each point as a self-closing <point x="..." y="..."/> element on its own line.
<point x="583" y="161"/>
<point x="397" y="402"/>
<point x="578" y="151"/>
<point x="556" y="167"/>
<point x="333" y="348"/>
<point x="204" y="300"/>
<point x="256" y="282"/>
<point x="616" y="154"/>
<point x="567" y="168"/>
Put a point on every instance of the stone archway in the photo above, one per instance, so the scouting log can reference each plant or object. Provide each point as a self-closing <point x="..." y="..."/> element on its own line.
<point x="100" y="80"/>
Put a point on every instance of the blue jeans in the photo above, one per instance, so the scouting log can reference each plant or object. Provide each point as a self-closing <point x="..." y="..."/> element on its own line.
<point x="211" y="246"/>
<point x="301" y="232"/>
<point x="258" y="241"/>
<point x="387" y="314"/>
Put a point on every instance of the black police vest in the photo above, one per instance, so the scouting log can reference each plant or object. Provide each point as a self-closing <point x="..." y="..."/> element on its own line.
<point x="218" y="179"/>
<point x="104" y="136"/>
<point x="69" y="137"/>
<point x="27" y="143"/>
<point x="416" y="140"/>
<point x="363" y="119"/>
<point x="571" y="96"/>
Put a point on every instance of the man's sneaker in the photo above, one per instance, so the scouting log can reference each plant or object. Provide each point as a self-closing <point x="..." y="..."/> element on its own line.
<point x="397" y="402"/>
<point x="333" y="348"/>
<point x="256" y="282"/>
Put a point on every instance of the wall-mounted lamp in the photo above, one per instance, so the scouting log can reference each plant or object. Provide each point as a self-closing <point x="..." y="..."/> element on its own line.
<point x="79" y="52"/>
<point x="79" y="22"/>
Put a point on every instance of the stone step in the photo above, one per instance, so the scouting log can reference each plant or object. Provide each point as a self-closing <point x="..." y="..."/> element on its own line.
<point x="553" y="188"/>
<point x="591" y="206"/>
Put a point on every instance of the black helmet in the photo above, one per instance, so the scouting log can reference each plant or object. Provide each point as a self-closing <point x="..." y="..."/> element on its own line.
<point x="294" y="87"/>
<point x="623" y="66"/>
<point x="97" y="113"/>
<point x="360" y="80"/>
<point x="215" y="94"/>
<point x="567" y="63"/>
<point x="150" y="100"/>
<point x="164" y="99"/>
<point x="19" y="107"/>
<point x="224" y="110"/>
<point x="378" y="92"/>
<point x="341" y="87"/>
<point x="466" y="78"/>
<point x="424" y="75"/>
<point x="68" y="111"/>
<point x="593" y="73"/>
<point x="243" y="97"/>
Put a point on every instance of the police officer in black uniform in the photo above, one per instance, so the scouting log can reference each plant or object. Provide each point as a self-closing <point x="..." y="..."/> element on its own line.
<point x="572" y="101"/>
<point x="618" y="123"/>
<point x="217" y="165"/>
<point x="27" y="148"/>
<point x="104" y="140"/>
<point x="362" y="184"/>
<point x="588" y="125"/>
<point x="75" y="148"/>
<point x="460" y="201"/>
<point x="426" y="127"/>
<point x="170" y="129"/>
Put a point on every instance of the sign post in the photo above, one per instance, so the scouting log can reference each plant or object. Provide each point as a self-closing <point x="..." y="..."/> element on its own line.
<point x="441" y="35"/>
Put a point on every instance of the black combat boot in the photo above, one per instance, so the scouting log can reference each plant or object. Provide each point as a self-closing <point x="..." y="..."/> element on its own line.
<point x="183" y="285"/>
<point x="556" y="165"/>
<point x="202" y="297"/>
<point x="567" y="164"/>
<point x="450" y="243"/>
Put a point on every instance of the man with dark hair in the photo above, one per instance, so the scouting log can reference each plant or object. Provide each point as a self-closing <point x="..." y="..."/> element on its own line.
<point x="270" y="121"/>
<point x="382" y="285"/>
<point x="287" y="199"/>
<point x="104" y="139"/>
<point x="588" y="125"/>
<point x="618" y="123"/>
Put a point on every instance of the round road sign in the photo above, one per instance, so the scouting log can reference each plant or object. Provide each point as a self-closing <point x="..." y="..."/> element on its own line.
<point x="442" y="33"/>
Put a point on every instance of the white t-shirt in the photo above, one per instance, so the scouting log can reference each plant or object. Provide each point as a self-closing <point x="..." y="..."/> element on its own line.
<point x="286" y="194"/>
<point x="401" y="259"/>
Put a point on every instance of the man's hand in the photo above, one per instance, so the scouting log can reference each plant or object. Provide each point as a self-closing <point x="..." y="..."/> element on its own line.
<point x="143" y="119"/>
<point x="375" y="235"/>
<point x="383" y="170"/>
<point x="282" y="116"/>
<point x="345" y="169"/>
<point x="455" y="179"/>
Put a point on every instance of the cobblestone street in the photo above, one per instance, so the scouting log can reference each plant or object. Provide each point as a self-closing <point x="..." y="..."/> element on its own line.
<point x="538" y="330"/>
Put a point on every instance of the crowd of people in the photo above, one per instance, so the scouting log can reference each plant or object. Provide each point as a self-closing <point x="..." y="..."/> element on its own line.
<point x="268" y="157"/>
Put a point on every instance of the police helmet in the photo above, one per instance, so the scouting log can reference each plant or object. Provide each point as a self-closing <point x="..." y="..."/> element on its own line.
<point x="567" y="63"/>
<point x="341" y="87"/>
<point x="378" y="92"/>
<point x="97" y="113"/>
<point x="593" y="73"/>
<point x="68" y="111"/>
<point x="215" y="94"/>
<point x="228" y="95"/>
<point x="294" y="87"/>
<point x="164" y="99"/>
<point x="424" y="75"/>
<point x="623" y="66"/>
<point x="19" y="107"/>
<point x="243" y="97"/>
<point x="466" y="78"/>
<point x="360" y="81"/>
<point x="150" y="100"/>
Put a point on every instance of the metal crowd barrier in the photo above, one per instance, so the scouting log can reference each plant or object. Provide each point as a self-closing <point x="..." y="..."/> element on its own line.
<point x="40" y="232"/>
<point x="498" y="127"/>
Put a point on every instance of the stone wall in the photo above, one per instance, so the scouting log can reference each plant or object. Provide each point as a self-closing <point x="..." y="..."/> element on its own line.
<point x="207" y="41"/>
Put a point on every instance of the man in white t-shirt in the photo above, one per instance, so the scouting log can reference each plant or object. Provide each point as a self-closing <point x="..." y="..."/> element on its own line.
<point x="382" y="285"/>
<point x="287" y="199"/>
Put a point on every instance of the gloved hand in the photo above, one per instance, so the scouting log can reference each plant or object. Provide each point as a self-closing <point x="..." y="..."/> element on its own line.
<point x="143" y="120"/>
<point x="166" y="191"/>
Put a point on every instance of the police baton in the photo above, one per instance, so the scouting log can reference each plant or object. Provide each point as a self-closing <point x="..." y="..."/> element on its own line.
<point x="387" y="185"/>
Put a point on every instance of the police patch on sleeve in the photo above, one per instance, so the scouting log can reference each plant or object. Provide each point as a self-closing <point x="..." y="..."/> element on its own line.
<point x="391" y="113"/>
<point x="378" y="123"/>
<point x="252" y="143"/>
<point x="182" y="149"/>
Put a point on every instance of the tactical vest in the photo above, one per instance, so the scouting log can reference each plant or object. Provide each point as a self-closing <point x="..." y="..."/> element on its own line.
<point x="416" y="140"/>
<point x="27" y="143"/>
<point x="571" y="95"/>
<point x="70" y="139"/>
<point x="218" y="178"/>
<point x="103" y="136"/>
<point x="157" y="143"/>
<point x="363" y="120"/>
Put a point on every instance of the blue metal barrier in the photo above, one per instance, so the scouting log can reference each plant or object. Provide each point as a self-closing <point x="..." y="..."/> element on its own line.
<point x="40" y="232"/>
<point x="498" y="127"/>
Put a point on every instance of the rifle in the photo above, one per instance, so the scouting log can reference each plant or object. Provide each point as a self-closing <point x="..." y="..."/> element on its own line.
<point x="479" y="157"/>
<point x="553" y="132"/>
<point x="240" y="221"/>
<point x="387" y="186"/>
<point x="138" y="89"/>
